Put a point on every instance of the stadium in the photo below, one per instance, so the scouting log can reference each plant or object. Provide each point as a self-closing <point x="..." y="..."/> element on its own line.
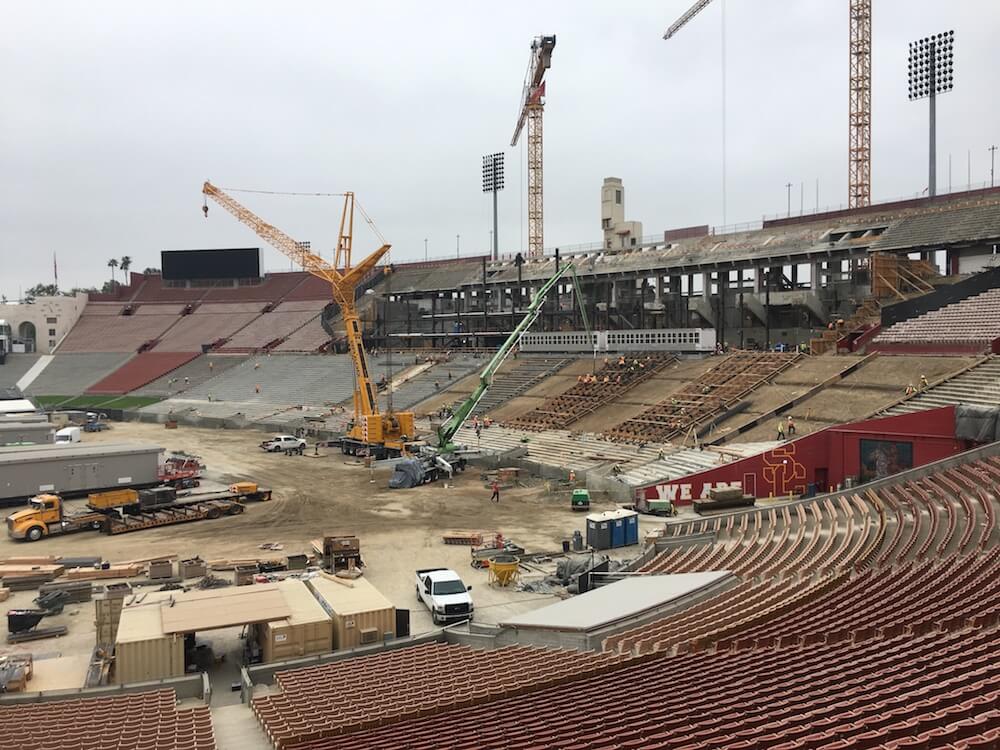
<point x="716" y="487"/>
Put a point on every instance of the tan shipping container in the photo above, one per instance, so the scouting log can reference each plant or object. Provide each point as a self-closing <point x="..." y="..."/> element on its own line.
<point x="361" y="614"/>
<point x="142" y="651"/>
<point x="308" y="631"/>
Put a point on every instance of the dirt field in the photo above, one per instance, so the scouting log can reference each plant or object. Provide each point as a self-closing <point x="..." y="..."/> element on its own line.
<point x="400" y="530"/>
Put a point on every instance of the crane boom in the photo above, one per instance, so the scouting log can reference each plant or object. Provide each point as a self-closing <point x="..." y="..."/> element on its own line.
<point x="370" y="427"/>
<point x="681" y="22"/>
<point x="532" y="106"/>
<point x="447" y="431"/>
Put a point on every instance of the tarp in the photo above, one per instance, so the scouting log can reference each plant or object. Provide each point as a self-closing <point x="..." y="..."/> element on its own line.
<point x="978" y="423"/>
<point x="409" y="473"/>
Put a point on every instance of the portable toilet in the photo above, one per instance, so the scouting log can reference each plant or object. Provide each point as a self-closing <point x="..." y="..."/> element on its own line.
<point x="631" y="527"/>
<point x="598" y="531"/>
<point x="617" y="530"/>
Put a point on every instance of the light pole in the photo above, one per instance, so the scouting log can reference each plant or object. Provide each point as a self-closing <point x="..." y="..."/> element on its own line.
<point x="425" y="249"/>
<point x="493" y="183"/>
<point x="930" y="74"/>
<point x="993" y="153"/>
<point x="458" y="246"/>
<point x="788" y="188"/>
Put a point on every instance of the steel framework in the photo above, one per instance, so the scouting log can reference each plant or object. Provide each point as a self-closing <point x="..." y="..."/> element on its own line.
<point x="532" y="105"/>
<point x="860" y="118"/>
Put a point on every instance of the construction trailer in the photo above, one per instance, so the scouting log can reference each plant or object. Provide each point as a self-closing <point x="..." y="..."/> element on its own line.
<point x="361" y="615"/>
<point x="74" y="470"/>
<point x="26" y="433"/>
<point x="308" y="630"/>
<point x="157" y="631"/>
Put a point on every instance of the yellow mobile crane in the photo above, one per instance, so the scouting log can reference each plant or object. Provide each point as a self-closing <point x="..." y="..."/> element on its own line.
<point x="380" y="435"/>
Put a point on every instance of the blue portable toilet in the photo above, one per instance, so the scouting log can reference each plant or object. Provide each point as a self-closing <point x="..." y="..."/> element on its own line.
<point x="613" y="528"/>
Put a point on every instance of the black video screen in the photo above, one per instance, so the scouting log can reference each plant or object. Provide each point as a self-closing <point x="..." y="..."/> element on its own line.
<point x="234" y="263"/>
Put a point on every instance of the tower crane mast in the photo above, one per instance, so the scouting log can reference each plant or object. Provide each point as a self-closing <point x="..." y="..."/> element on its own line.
<point x="859" y="155"/>
<point x="532" y="106"/>
<point x="372" y="432"/>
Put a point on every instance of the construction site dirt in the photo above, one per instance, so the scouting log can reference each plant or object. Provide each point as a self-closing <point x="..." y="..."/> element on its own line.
<point x="400" y="530"/>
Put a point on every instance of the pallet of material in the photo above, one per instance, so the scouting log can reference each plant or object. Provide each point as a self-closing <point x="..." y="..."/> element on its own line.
<point x="79" y="591"/>
<point x="4" y="594"/>
<point x="15" y="671"/>
<point x="13" y="570"/>
<point x="93" y="574"/>
<point x="467" y="538"/>
<point x="30" y="560"/>
<point x="37" y="634"/>
<point x="227" y="564"/>
<point x="26" y="582"/>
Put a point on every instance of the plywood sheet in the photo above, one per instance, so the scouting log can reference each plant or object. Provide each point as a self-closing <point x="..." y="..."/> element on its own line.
<point x="192" y="615"/>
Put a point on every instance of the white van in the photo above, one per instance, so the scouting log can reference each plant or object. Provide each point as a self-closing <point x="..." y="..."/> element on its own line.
<point x="68" y="435"/>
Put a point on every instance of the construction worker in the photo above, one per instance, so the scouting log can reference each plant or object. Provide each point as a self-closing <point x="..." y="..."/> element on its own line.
<point x="211" y="366"/>
<point x="923" y="382"/>
<point x="495" y="497"/>
<point x="791" y="426"/>
<point x="910" y="390"/>
<point x="187" y="381"/>
<point x="256" y="388"/>
<point x="607" y="379"/>
<point x="487" y="421"/>
<point x="256" y="365"/>
<point x="781" y="430"/>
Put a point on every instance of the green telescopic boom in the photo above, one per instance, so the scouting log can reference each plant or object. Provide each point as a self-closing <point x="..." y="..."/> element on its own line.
<point x="447" y="431"/>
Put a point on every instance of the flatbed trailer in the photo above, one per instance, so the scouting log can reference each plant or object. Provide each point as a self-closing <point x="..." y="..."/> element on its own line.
<point x="122" y="514"/>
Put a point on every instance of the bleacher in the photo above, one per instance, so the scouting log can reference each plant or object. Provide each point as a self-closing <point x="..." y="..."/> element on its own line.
<point x="273" y="326"/>
<point x="141" y="369"/>
<point x="397" y="685"/>
<point x="932" y="691"/>
<point x="612" y="380"/>
<point x="864" y="620"/>
<point x="972" y="325"/>
<point x="124" y="721"/>
<point x="72" y="374"/>
<point x="517" y="376"/>
<point x="714" y="392"/>
<point x="209" y="323"/>
<point x="286" y="379"/>
<point x="103" y="332"/>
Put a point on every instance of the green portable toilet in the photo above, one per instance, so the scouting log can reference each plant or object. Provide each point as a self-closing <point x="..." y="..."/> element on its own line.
<point x="580" y="500"/>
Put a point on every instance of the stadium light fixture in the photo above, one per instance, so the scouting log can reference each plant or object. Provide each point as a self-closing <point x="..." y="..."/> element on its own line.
<point x="493" y="183"/>
<point x="931" y="72"/>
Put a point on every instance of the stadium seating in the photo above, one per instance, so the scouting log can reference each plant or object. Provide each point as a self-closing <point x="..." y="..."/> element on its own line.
<point x="979" y="386"/>
<point x="209" y="323"/>
<point x="140" y="370"/>
<point x="903" y="692"/>
<point x="195" y="372"/>
<point x="518" y="376"/>
<point x="118" y="333"/>
<point x="273" y="326"/>
<point x="72" y="374"/>
<point x="612" y="380"/>
<point x="126" y="722"/>
<point x="973" y="321"/>
<point x="309" y="338"/>
<point x="711" y="394"/>
<point x="327" y="700"/>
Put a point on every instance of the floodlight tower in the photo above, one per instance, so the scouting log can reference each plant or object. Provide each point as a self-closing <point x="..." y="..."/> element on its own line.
<point x="930" y="74"/>
<point x="493" y="183"/>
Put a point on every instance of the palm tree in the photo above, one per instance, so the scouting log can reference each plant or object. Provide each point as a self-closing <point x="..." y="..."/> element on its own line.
<point x="125" y="263"/>
<point x="113" y="264"/>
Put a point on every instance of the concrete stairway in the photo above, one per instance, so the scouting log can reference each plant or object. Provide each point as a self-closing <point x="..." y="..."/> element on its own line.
<point x="980" y="386"/>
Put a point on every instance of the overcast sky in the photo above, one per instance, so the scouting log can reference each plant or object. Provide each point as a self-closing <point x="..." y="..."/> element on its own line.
<point x="113" y="113"/>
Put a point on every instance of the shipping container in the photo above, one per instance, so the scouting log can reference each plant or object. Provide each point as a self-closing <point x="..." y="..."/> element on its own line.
<point x="73" y="470"/>
<point x="26" y="433"/>
<point x="308" y="631"/>
<point x="142" y="650"/>
<point x="361" y="615"/>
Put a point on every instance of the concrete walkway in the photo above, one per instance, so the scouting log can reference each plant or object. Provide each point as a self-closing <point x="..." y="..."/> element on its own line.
<point x="237" y="729"/>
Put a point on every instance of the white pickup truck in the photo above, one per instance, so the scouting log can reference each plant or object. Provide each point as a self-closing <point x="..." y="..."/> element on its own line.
<point x="444" y="594"/>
